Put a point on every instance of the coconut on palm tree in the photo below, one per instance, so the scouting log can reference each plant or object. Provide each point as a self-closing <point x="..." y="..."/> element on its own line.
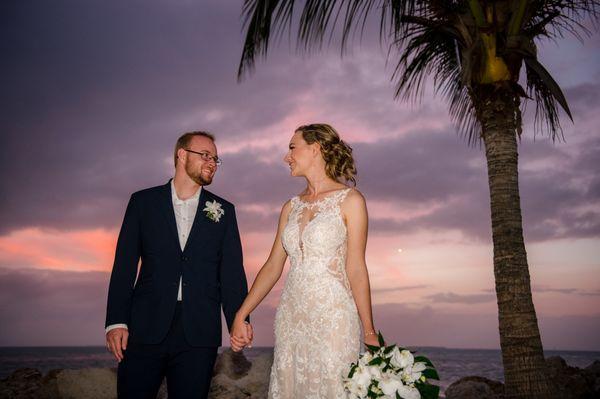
<point x="474" y="51"/>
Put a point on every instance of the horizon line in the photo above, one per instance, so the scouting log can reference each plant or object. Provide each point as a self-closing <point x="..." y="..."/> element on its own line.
<point x="271" y="347"/>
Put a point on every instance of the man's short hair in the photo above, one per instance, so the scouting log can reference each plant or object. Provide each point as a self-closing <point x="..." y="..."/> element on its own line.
<point x="184" y="140"/>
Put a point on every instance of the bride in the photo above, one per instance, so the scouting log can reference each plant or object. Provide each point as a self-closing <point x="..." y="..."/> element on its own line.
<point x="326" y="296"/>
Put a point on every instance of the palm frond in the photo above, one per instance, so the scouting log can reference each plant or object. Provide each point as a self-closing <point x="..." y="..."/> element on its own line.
<point x="543" y="89"/>
<point x="438" y="38"/>
<point x="258" y="16"/>
<point x="431" y="50"/>
<point x="555" y="18"/>
<point x="319" y="20"/>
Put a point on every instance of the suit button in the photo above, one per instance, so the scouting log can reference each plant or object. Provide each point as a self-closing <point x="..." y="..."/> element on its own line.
<point x="184" y="258"/>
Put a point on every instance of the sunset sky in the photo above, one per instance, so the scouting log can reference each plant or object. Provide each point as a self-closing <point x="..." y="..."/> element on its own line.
<point x="94" y="95"/>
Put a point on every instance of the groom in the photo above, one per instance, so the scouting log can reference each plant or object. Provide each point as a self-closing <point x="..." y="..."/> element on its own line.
<point x="166" y="319"/>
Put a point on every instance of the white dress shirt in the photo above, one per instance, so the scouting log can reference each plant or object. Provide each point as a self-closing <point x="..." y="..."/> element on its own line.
<point x="185" y="212"/>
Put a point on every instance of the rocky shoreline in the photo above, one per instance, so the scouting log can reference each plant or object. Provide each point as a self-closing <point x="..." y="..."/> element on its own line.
<point x="237" y="378"/>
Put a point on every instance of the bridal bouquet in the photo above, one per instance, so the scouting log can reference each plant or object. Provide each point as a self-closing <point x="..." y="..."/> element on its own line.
<point x="391" y="372"/>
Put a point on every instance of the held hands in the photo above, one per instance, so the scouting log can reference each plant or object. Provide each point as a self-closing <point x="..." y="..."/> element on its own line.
<point x="116" y="342"/>
<point x="241" y="335"/>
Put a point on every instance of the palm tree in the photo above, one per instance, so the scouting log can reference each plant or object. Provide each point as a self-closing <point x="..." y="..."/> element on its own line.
<point x="474" y="50"/>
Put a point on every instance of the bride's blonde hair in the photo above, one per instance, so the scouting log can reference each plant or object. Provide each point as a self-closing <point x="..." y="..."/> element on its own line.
<point x="339" y="162"/>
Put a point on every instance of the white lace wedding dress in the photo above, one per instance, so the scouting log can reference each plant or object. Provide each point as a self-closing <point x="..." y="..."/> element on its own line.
<point x="317" y="329"/>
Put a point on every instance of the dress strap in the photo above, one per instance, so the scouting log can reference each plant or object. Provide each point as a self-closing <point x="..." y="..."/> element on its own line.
<point x="295" y="201"/>
<point x="342" y="194"/>
<point x="337" y="198"/>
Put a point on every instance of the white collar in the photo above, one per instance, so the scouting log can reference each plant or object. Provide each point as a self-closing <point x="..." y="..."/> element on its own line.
<point x="176" y="200"/>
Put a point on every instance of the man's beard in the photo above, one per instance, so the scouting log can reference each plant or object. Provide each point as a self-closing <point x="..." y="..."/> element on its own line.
<point x="201" y="180"/>
<point x="198" y="177"/>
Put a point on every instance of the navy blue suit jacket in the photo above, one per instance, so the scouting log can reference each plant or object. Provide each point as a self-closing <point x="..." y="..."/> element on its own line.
<point x="210" y="267"/>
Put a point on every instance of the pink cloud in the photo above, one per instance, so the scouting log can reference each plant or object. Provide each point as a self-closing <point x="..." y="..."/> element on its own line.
<point x="79" y="250"/>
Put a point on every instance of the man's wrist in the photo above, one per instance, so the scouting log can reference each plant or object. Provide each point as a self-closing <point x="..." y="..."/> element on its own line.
<point x="113" y="326"/>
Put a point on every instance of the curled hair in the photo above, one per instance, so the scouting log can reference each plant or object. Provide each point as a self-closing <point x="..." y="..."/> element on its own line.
<point x="339" y="162"/>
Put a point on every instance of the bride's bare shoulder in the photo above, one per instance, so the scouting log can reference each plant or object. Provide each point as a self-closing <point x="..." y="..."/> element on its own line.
<point x="354" y="201"/>
<point x="287" y="206"/>
<point x="354" y="195"/>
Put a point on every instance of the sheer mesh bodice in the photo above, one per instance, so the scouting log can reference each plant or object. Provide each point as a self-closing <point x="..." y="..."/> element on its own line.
<point x="317" y="329"/>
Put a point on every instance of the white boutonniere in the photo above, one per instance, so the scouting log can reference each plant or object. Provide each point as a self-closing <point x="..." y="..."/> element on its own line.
<point x="213" y="210"/>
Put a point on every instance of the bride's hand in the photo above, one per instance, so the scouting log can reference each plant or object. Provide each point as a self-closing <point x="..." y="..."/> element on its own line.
<point x="240" y="335"/>
<point x="371" y="339"/>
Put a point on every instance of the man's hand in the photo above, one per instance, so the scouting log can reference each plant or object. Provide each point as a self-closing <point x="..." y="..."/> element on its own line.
<point x="250" y="332"/>
<point x="116" y="342"/>
<point x="241" y="335"/>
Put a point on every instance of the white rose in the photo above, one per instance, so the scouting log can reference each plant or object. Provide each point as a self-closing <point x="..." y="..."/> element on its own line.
<point x="416" y="370"/>
<point x="419" y="366"/>
<point x="365" y="358"/>
<point x="389" y="384"/>
<point x="412" y="373"/>
<point x="357" y="391"/>
<point x="395" y="357"/>
<point x="375" y="372"/>
<point x="409" y="392"/>
<point x="402" y="359"/>
<point x="362" y="377"/>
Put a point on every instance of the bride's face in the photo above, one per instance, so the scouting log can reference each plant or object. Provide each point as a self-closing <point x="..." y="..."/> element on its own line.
<point x="300" y="155"/>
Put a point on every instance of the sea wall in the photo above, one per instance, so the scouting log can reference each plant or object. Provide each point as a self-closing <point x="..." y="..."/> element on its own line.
<point x="237" y="378"/>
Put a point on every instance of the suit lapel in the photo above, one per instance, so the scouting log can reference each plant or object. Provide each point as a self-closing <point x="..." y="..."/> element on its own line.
<point x="200" y="219"/>
<point x="169" y="212"/>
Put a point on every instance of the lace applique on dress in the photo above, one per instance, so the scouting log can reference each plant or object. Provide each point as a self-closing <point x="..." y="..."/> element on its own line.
<point x="317" y="329"/>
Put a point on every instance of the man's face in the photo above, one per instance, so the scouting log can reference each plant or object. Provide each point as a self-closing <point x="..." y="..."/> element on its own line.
<point x="197" y="168"/>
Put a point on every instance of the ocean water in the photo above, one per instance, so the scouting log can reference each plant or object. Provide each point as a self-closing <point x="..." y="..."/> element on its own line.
<point x="451" y="364"/>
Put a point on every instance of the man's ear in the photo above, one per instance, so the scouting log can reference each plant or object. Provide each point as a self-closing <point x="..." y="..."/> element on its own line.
<point x="181" y="154"/>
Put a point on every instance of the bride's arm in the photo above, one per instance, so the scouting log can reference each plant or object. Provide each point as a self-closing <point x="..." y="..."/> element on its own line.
<point x="355" y="212"/>
<point x="268" y="275"/>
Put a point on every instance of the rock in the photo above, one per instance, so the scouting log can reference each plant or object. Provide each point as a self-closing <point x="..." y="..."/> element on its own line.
<point x="237" y="378"/>
<point x="233" y="364"/>
<point x="91" y="383"/>
<point x="594" y="367"/>
<point x="162" y="391"/>
<point x="593" y="373"/>
<point x="474" y="387"/>
<point x="21" y="384"/>
<point x="49" y="389"/>
<point x="234" y="378"/>
<point x="573" y="382"/>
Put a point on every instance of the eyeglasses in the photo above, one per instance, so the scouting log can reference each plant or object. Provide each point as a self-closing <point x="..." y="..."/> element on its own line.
<point x="207" y="157"/>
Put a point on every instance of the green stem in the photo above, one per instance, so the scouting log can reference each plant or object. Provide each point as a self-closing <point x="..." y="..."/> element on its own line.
<point x="477" y="13"/>
<point x="517" y="19"/>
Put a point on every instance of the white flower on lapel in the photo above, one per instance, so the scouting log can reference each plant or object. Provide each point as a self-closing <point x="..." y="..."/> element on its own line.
<point x="213" y="210"/>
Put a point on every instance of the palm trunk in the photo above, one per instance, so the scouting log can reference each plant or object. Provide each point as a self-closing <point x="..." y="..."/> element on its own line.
<point x="525" y="373"/>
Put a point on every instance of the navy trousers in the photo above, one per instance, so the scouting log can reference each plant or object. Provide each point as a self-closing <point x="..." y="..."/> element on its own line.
<point x="188" y="369"/>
